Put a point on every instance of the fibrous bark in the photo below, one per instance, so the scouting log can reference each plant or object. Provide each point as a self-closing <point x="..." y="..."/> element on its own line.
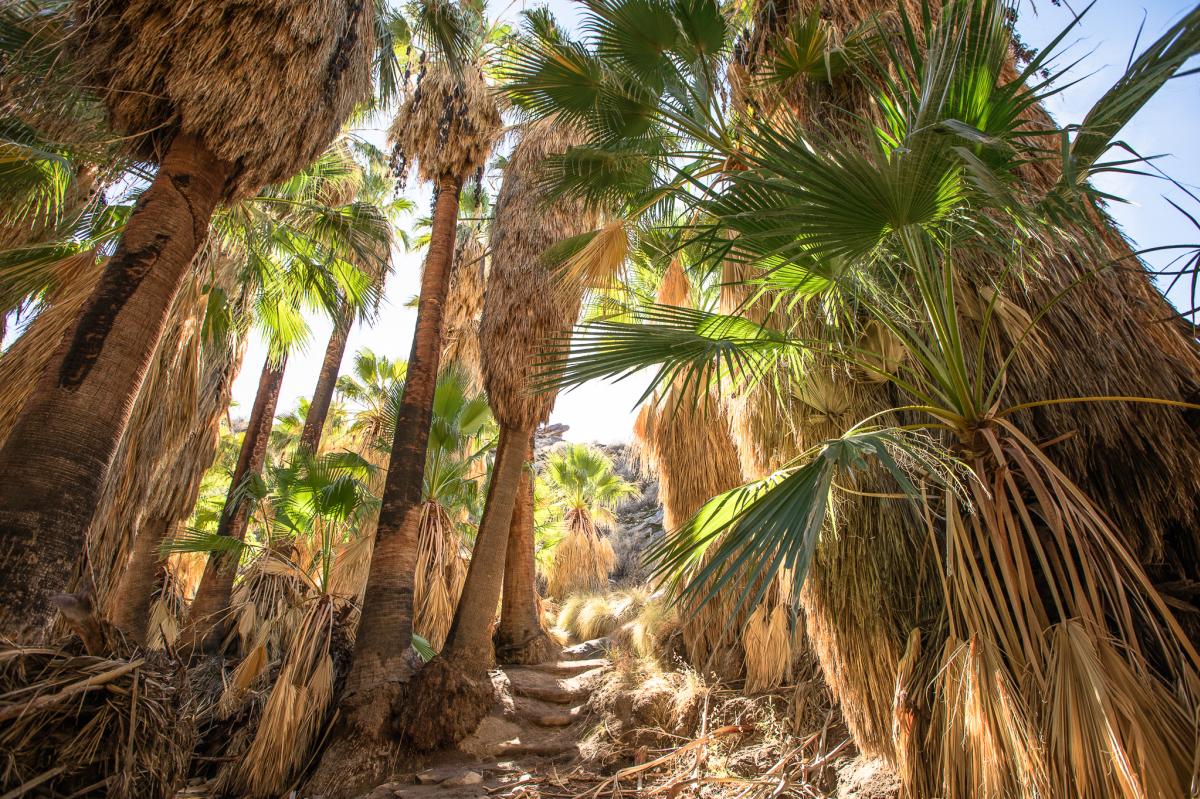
<point x="207" y="614"/>
<point x="520" y="636"/>
<point x="58" y="452"/>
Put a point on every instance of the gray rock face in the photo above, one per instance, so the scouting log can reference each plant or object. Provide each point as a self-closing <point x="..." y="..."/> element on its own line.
<point x="639" y="518"/>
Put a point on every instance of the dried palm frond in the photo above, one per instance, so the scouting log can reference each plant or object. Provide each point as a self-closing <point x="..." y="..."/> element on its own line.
<point x="23" y="362"/>
<point x="440" y="575"/>
<point x="73" y="724"/>
<point x="165" y="69"/>
<point x="583" y="559"/>
<point x="767" y="642"/>
<point x="449" y="124"/>
<point x="598" y="264"/>
<point x="525" y="306"/>
<point x="464" y="303"/>
<point x="294" y="712"/>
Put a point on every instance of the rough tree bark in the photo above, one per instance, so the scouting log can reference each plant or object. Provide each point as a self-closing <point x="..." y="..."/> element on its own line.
<point x="520" y="637"/>
<point x="322" y="398"/>
<point x="56" y="457"/>
<point x="363" y="744"/>
<point x="135" y="596"/>
<point x="450" y="696"/>
<point x="208" y="613"/>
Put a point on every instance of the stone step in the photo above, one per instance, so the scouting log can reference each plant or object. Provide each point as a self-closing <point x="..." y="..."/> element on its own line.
<point x="546" y="714"/>
<point x="569" y="668"/>
<point x="547" y="747"/>
<point x="530" y="682"/>
<point x="595" y="648"/>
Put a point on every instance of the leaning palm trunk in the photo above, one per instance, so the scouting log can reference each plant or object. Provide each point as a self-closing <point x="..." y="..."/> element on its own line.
<point x="449" y="125"/>
<point x="58" y="452"/>
<point x="211" y="146"/>
<point x="210" y="609"/>
<point x="322" y="397"/>
<point x="523" y="307"/>
<point x="520" y="636"/>
<point x="1068" y="702"/>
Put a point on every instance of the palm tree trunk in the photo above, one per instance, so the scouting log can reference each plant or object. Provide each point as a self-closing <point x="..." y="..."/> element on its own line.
<point x="216" y="586"/>
<point x="131" y="606"/>
<point x="56" y="457"/>
<point x="382" y="663"/>
<point x="520" y="637"/>
<point x="469" y="640"/>
<point x="322" y="398"/>
<point x="385" y="632"/>
<point x="450" y="696"/>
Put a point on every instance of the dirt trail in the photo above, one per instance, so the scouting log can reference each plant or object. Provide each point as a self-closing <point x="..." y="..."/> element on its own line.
<point x="524" y="747"/>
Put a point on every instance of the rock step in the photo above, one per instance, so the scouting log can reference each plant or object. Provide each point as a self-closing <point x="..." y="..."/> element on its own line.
<point x="566" y="668"/>
<point x="550" y="747"/>
<point x="595" y="648"/>
<point x="546" y="714"/>
<point x="535" y="684"/>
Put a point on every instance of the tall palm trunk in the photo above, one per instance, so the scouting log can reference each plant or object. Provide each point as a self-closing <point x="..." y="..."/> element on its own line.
<point x="385" y="631"/>
<point x="467" y="644"/>
<point x="322" y="398"/>
<point x="131" y="607"/>
<point x="520" y="637"/>
<point x="452" y="694"/>
<point x="216" y="586"/>
<point x="58" y="453"/>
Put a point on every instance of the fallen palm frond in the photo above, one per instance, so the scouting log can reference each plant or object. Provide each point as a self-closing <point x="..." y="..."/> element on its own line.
<point x="295" y="711"/>
<point x="73" y="724"/>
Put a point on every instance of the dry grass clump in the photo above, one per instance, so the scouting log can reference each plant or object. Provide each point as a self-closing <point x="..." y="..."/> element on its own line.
<point x="680" y="733"/>
<point x="73" y="724"/>
<point x="449" y="123"/>
<point x="637" y="622"/>
<point x="170" y="68"/>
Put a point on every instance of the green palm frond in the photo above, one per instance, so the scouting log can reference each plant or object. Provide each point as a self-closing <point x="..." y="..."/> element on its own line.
<point x="769" y="525"/>
<point x="696" y="347"/>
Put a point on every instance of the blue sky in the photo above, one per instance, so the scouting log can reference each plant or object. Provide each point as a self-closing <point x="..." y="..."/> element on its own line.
<point x="1167" y="126"/>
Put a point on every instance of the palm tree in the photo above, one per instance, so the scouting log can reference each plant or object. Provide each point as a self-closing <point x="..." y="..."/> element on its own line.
<point x="585" y="489"/>
<point x="957" y="344"/>
<point x="374" y="190"/>
<point x="448" y="126"/>
<point x="523" y="306"/>
<point x="210" y="146"/>
<point x="334" y="270"/>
